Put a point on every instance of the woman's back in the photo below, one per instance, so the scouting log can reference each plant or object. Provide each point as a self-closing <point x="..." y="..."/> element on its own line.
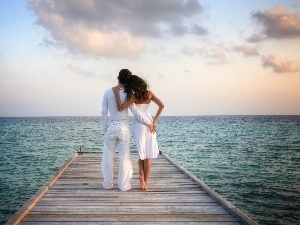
<point x="145" y="101"/>
<point x="144" y="108"/>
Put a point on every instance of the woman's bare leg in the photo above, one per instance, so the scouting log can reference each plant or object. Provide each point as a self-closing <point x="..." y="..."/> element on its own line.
<point x="147" y="168"/>
<point x="142" y="175"/>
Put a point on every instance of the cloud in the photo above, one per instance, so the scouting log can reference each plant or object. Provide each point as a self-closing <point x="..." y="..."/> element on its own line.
<point x="277" y="23"/>
<point x="279" y="64"/>
<point x="198" y="30"/>
<point x="247" y="49"/>
<point x="76" y="69"/>
<point x="50" y="43"/>
<point x="218" y="56"/>
<point x="115" y="28"/>
<point x="256" y="38"/>
<point x="214" y="55"/>
<point x="191" y="51"/>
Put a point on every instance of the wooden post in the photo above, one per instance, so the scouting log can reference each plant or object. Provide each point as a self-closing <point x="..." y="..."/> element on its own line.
<point x="80" y="152"/>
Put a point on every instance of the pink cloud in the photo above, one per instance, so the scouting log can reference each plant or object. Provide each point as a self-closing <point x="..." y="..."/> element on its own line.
<point x="279" y="64"/>
<point x="115" y="28"/>
<point x="277" y="23"/>
<point x="247" y="49"/>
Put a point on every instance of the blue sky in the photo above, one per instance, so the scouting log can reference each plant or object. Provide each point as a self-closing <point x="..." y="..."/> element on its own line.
<point x="199" y="57"/>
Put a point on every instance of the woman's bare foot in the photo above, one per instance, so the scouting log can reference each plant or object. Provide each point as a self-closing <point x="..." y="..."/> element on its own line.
<point x="143" y="184"/>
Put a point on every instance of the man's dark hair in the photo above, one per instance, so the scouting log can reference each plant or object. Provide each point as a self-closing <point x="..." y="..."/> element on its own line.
<point x="123" y="75"/>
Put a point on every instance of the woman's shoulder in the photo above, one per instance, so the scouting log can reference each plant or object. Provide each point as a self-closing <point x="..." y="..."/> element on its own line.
<point x="151" y="94"/>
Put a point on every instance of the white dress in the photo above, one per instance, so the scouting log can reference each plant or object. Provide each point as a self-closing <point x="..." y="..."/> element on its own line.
<point x="144" y="139"/>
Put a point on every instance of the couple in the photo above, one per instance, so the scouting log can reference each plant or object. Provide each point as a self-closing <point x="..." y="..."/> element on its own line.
<point x="132" y="92"/>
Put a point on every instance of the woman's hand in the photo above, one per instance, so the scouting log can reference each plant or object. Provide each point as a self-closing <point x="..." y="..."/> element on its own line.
<point x="116" y="90"/>
<point x="152" y="127"/>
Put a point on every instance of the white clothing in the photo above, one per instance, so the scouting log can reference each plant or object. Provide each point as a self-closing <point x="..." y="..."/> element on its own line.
<point x="117" y="131"/>
<point x="109" y="105"/>
<point x="144" y="138"/>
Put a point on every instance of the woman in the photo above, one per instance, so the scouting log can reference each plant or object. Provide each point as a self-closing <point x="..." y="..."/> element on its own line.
<point x="138" y="93"/>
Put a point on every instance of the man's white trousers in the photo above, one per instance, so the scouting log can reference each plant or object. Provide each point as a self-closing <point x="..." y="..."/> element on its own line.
<point x="117" y="135"/>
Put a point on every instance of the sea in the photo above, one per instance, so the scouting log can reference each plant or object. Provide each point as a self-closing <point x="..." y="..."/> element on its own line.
<point x="252" y="161"/>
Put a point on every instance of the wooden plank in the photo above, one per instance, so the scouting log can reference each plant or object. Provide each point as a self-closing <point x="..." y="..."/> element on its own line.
<point x="23" y="211"/>
<point x="224" y="219"/>
<point x="226" y="204"/>
<point x="76" y="196"/>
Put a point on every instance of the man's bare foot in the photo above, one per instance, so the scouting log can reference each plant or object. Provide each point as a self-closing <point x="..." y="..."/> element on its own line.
<point x="143" y="184"/>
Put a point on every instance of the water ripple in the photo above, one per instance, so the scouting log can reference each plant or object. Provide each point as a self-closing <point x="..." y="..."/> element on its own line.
<point x="253" y="161"/>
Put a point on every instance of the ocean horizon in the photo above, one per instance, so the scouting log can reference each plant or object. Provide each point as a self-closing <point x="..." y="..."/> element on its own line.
<point x="251" y="160"/>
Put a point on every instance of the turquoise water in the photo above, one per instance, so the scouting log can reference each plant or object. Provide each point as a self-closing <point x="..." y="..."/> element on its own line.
<point x="252" y="161"/>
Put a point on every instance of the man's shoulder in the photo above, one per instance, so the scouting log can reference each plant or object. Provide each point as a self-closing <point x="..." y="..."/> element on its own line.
<point x="108" y="91"/>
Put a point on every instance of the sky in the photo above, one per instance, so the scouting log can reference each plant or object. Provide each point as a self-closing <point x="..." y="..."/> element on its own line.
<point x="221" y="57"/>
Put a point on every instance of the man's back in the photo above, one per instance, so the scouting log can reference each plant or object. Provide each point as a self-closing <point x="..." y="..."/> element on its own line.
<point x="109" y="105"/>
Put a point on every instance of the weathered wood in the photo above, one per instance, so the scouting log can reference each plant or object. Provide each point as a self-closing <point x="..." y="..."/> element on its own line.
<point x="23" y="211"/>
<point x="75" y="196"/>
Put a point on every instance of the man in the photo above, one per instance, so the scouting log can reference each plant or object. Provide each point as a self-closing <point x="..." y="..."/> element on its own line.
<point x="117" y="132"/>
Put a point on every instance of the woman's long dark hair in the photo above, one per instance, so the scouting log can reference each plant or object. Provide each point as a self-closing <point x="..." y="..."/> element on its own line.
<point x="136" y="86"/>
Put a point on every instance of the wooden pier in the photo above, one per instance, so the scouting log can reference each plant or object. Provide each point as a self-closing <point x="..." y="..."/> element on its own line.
<point x="175" y="196"/>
